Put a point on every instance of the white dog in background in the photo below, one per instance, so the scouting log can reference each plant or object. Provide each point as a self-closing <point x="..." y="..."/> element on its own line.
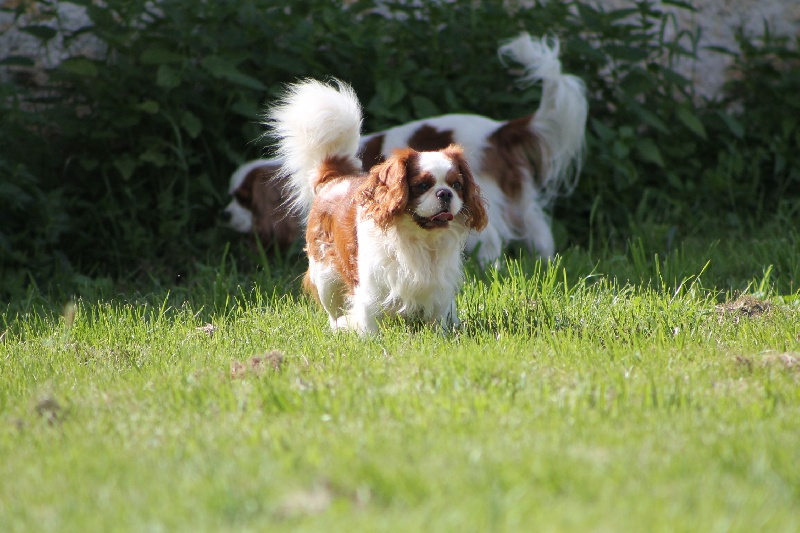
<point x="521" y="165"/>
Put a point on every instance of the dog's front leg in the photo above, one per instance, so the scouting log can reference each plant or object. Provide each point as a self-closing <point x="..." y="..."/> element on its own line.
<point x="448" y="319"/>
<point x="364" y="311"/>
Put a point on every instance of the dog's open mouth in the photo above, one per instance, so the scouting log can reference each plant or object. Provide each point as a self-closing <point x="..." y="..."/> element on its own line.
<point x="439" y="220"/>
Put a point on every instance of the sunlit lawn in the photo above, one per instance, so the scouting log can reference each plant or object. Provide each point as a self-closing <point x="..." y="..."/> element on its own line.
<point x="624" y="392"/>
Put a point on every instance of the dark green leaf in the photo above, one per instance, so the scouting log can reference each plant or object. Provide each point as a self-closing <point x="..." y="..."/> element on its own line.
<point x="691" y="121"/>
<point x="391" y="91"/>
<point x="89" y="163"/>
<point x="620" y="14"/>
<point x="788" y="125"/>
<point x="604" y="133"/>
<point x="17" y="61"/>
<point x="79" y="66"/>
<point x="674" y="180"/>
<point x="680" y="3"/>
<point x="451" y="99"/>
<point x="734" y="125"/>
<point x="677" y="79"/>
<point x="222" y="68"/>
<point x="191" y="124"/>
<point x="637" y="81"/>
<point x="651" y="119"/>
<point x="246" y="108"/>
<point x="167" y="77"/>
<point x="149" y="106"/>
<point x="648" y="151"/>
<point x="620" y="150"/>
<point x="287" y="63"/>
<point x="159" y="56"/>
<point x="154" y="156"/>
<point x="44" y="33"/>
<point x="626" y="53"/>
<point x="126" y="165"/>
<point x="424" y="107"/>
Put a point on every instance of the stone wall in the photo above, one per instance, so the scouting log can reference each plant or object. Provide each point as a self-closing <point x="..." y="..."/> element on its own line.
<point x="718" y="21"/>
<point x="717" y="18"/>
<point x="63" y="15"/>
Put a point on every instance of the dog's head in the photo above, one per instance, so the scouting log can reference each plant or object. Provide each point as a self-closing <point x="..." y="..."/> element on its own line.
<point x="238" y="215"/>
<point x="434" y="188"/>
<point x="259" y="204"/>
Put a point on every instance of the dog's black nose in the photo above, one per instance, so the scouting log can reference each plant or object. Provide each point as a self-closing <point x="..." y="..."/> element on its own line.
<point x="445" y="195"/>
<point x="226" y="216"/>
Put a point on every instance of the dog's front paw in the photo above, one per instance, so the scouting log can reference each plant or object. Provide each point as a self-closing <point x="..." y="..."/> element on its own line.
<point x="344" y="322"/>
<point x="450" y="322"/>
<point x="350" y="322"/>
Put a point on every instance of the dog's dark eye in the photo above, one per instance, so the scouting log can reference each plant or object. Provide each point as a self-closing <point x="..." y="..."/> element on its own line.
<point x="422" y="187"/>
<point x="457" y="186"/>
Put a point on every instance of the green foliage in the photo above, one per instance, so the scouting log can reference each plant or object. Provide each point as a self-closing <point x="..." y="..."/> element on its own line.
<point x="760" y="159"/>
<point x="657" y="152"/>
<point x="118" y="165"/>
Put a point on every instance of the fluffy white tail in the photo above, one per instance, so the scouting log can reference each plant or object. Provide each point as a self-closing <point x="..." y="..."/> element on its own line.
<point x="560" y="120"/>
<point x="314" y="121"/>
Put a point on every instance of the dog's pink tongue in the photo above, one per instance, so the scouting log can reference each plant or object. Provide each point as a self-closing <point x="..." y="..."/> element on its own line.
<point x="444" y="215"/>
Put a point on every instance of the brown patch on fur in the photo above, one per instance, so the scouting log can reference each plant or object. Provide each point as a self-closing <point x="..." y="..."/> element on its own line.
<point x="429" y="139"/>
<point x="425" y="139"/>
<point x="384" y="195"/>
<point x="372" y="153"/>
<point x="331" y="232"/>
<point x="262" y="192"/>
<point x="333" y="168"/>
<point x="474" y="206"/>
<point x="511" y="148"/>
<point x="244" y="192"/>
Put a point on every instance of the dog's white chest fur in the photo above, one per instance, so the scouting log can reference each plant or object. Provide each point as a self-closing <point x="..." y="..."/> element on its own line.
<point x="408" y="271"/>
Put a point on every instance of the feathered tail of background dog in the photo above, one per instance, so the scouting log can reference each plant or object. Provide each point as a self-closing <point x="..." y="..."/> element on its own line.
<point x="315" y="123"/>
<point x="560" y="121"/>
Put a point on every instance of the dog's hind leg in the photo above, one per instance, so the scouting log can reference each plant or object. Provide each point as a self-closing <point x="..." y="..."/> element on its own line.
<point x="330" y="290"/>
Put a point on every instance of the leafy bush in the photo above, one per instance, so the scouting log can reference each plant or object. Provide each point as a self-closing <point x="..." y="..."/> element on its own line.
<point x="658" y="153"/>
<point x="119" y="165"/>
<point x="759" y="164"/>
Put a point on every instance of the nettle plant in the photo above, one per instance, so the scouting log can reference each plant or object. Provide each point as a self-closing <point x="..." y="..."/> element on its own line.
<point x="118" y="162"/>
<point x="758" y="167"/>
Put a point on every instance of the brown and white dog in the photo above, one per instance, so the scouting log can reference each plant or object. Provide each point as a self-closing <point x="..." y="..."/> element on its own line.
<point x="259" y="203"/>
<point x="388" y="242"/>
<point x="521" y="165"/>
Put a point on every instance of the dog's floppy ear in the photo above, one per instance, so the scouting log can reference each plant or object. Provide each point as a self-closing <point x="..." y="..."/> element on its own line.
<point x="385" y="193"/>
<point x="474" y="208"/>
<point x="243" y="193"/>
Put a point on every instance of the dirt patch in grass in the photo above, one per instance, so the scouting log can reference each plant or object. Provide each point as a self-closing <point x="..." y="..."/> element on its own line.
<point x="49" y="409"/>
<point x="789" y="361"/>
<point x="312" y="501"/>
<point x="258" y="365"/>
<point x="208" y="329"/>
<point x="744" y="306"/>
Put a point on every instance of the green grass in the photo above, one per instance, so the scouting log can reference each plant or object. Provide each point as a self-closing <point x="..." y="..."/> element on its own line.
<point x="613" y="391"/>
